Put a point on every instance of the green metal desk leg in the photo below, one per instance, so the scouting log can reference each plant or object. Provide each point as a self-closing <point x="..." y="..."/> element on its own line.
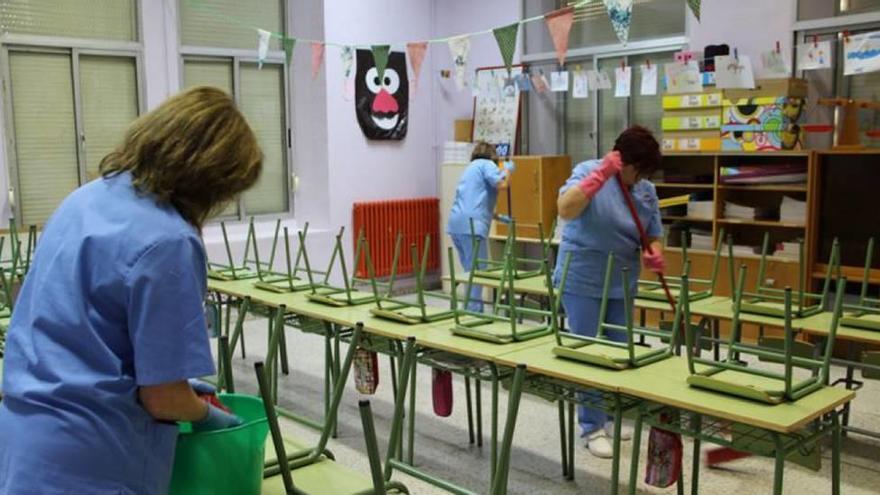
<point x="285" y="364"/>
<point x="679" y="484"/>
<point x="779" y="469"/>
<point x="615" y="461"/>
<point x="695" y="468"/>
<point x="494" y="444"/>
<point x="397" y="420"/>
<point x="328" y="374"/>
<point x="412" y="416"/>
<point x="571" y="436"/>
<point x="835" y="452"/>
<point x="716" y="335"/>
<point x="636" y="448"/>
<point x="479" y="395"/>
<point x="502" y="472"/>
<point x="470" y="415"/>
<point x="393" y="362"/>
<point x="337" y="367"/>
<point x="562" y="438"/>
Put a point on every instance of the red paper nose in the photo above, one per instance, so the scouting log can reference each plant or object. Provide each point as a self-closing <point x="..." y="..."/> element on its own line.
<point x="384" y="103"/>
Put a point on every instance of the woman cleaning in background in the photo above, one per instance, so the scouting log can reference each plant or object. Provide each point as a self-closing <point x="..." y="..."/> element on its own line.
<point x="599" y="223"/>
<point x="475" y="198"/>
<point x="110" y="322"/>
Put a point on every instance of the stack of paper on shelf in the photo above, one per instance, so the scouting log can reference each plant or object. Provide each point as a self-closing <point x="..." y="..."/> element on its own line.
<point x="793" y="211"/>
<point x="700" y="209"/>
<point x="741" y="249"/>
<point x="733" y="210"/>
<point x="765" y="174"/>
<point x="789" y="250"/>
<point x="701" y="239"/>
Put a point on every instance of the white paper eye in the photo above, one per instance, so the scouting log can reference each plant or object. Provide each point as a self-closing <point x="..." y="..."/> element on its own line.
<point x="391" y="80"/>
<point x="371" y="78"/>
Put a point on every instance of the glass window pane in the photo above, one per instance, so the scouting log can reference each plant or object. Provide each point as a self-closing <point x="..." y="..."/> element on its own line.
<point x="546" y="116"/>
<point x="103" y="19"/>
<point x="262" y="102"/>
<point x="217" y="73"/>
<point x="821" y="9"/>
<point x="109" y="104"/>
<point x="612" y="111"/>
<point x="45" y="132"/>
<point x="229" y="23"/>
<point x="647" y="111"/>
<point x="580" y="140"/>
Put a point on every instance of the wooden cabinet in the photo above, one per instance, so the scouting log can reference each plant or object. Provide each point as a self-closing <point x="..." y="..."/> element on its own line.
<point x="532" y="192"/>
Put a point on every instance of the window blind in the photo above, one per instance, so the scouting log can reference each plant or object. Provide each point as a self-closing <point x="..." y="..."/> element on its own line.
<point x="109" y="104"/>
<point x="45" y="132"/>
<point x="229" y="23"/>
<point x="262" y="102"/>
<point x="580" y="141"/>
<point x="102" y="19"/>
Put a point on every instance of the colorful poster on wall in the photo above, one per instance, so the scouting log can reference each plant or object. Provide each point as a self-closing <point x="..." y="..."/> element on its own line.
<point x="382" y="100"/>
<point x="734" y="72"/>
<point x="861" y="53"/>
<point x="683" y="77"/>
<point x="496" y="117"/>
<point x="814" y="55"/>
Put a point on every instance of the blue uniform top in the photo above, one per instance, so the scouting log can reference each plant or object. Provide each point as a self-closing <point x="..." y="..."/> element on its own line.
<point x="113" y="301"/>
<point x="606" y="225"/>
<point x="475" y="198"/>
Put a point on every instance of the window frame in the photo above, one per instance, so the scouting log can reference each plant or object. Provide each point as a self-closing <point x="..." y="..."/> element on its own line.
<point x="73" y="47"/>
<point x="237" y="56"/>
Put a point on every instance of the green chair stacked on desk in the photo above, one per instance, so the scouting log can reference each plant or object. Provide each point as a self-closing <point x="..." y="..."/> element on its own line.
<point x="231" y="270"/>
<point x="522" y="267"/>
<point x="865" y="314"/>
<point x="397" y="309"/>
<point x="607" y="353"/>
<point x="510" y="327"/>
<point x="346" y="295"/>
<point x="732" y="377"/>
<point x="290" y="280"/>
<point x="769" y="301"/>
<point x="19" y="262"/>
<point x="699" y="288"/>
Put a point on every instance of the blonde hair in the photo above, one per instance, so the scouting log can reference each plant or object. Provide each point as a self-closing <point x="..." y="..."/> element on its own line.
<point x="195" y="151"/>
<point x="484" y="150"/>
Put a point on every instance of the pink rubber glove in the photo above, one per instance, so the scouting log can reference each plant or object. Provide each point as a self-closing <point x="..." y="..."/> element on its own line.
<point x="654" y="261"/>
<point x="610" y="166"/>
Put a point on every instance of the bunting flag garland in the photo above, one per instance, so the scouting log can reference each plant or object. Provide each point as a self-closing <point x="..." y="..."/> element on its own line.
<point x="559" y="24"/>
<point x="415" y="52"/>
<point x="262" y="46"/>
<point x="460" y="46"/>
<point x="695" y="8"/>
<point x="380" y="58"/>
<point x="506" y="38"/>
<point x="317" y="57"/>
<point x="288" y="44"/>
<point x="620" y="13"/>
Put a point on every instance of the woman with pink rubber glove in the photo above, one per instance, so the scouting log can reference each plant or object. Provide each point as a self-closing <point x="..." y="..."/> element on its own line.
<point x="599" y="222"/>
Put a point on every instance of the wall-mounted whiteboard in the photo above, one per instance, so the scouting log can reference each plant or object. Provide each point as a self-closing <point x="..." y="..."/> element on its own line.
<point x="497" y="105"/>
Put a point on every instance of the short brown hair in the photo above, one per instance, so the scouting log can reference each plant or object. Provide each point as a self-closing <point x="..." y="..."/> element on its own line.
<point x="484" y="150"/>
<point x="639" y="148"/>
<point x="195" y="151"/>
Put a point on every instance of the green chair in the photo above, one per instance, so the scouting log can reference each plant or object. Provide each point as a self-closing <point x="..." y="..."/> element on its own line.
<point x="290" y="280"/>
<point x="770" y="302"/>
<point x="512" y="327"/>
<point x="699" y="288"/>
<point x="607" y="353"/>
<point x="732" y="377"/>
<point x="397" y="309"/>
<point x="865" y="314"/>
<point x="18" y="262"/>
<point x="522" y="267"/>
<point x="231" y="271"/>
<point x="346" y="295"/>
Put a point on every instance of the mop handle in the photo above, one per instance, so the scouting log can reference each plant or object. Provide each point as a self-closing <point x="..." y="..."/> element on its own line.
<point x="646" y="246"/>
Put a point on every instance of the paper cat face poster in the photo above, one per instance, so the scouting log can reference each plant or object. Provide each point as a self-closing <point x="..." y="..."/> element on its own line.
<point x="382" y="101"/>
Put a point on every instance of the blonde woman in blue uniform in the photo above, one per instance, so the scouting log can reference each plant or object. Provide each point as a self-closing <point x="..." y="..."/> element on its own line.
<point x="598" y="223"/>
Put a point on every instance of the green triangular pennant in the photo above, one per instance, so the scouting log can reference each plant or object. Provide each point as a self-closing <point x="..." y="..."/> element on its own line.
<point x="506" y="38"/>
<point x="287" y="44"/>
<point x="380" y="58"/>
<point x="695" y="7"/>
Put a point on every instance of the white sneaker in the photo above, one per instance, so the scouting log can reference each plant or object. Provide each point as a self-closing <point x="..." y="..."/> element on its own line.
<point x="599" y="446"/>
<point x="626" y="431"/>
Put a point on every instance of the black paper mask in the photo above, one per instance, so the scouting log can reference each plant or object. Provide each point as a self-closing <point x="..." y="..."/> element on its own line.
<point x="382" y="106"/>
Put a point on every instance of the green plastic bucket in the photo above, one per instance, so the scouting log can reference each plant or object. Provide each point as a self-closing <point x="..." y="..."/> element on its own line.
<point x="223" y="461"/>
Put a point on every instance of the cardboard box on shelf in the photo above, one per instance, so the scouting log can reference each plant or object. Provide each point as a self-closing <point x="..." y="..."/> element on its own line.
<point x="701" y="119"/>
<point x="791" y="87"/>
<point x="710" y="97"/>
<point x="463" y="130"/>
<point x="691" y="141"/>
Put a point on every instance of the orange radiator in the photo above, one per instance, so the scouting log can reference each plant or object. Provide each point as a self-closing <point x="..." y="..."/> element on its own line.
<point x="382" y="220"/>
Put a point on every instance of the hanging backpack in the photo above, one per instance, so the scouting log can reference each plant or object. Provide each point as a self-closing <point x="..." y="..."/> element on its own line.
<point x="664" y="458"/>
<point x="366" y="371"/>
<point x="441" y="391"/>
